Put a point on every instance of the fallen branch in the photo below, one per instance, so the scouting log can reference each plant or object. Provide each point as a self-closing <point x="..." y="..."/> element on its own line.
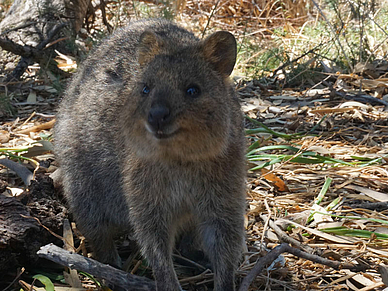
<point x="36" y="41"/>
<point x="283" y="237"/>
<point x="285" y="248"/>
<point x="74" y="261"/>
<point x="31" y="54"/>
<point x="363" y="98"/>
<point x="376" y="206"/>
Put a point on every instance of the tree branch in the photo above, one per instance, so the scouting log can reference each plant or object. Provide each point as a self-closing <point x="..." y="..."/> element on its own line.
<point x="117" y="277"/>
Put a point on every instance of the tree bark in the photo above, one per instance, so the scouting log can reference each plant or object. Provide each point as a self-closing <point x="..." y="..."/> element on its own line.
<point x="16" y="231"/>
<point x="33" y="29"/>
<point x="27" y="222"/>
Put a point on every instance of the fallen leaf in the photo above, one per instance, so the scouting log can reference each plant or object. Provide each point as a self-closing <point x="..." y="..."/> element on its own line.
<point x="39" y="148"/>
<point x="31" y="99"/>
<point x="19" y="169"/>
<point x="4" y="136"/>
<point x="279" y="183"/>
<point x="46" y="125"/>
<point x="379" y="196"/>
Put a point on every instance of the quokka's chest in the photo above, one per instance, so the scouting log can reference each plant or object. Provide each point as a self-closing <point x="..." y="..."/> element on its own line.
<point x="175" y="185"/>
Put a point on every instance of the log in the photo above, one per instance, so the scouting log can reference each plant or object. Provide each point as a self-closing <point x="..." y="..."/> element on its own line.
<point x="27" y="222"/>
<point x="33" y="29"/>
<point x="17" y="233"/>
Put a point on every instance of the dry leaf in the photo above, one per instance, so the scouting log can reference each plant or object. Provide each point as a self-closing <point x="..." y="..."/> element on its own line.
<point x="379" y="196"/>
<point x="279" y="183"/>
<point x="4" y="136"/>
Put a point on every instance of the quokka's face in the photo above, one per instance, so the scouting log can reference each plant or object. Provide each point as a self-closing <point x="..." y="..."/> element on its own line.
<point x="180" y="109"/>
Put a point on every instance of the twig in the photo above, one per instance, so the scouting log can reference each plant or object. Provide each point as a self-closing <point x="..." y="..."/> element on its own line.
<point x="17" y="49"/>
<point x="46" y="228"/>
<point x="199" y="266"/>
<point x="53" y="32"/>
<point x="201" y="276"/>
<point x="266" y="222"/>
<point x="18" y="27"/>
<point x="334" y="33"/>
<point x="370" y="16"/>
<point x="14" y="280"/>
<point x="29" y="53"/>
<point x="361" y="98"/>
<point x="210" y="17"/>
<point x="377" y="206"/>
<point x="283" y="237"/>
<point x="317" y="84"/>
<point x="272" y="255"/>
<point x="104" y="20"/>
<point x="261" y="263"/>
<point x="296" y="59"/>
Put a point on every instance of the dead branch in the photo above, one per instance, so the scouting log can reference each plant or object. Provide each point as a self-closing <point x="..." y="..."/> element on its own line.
<point x="104" y="20"/>
<point x="74" y="261"/>
<point x="31" y="54"/>
<point x="363" y="98"/>
<point x="283" y="237"/>
<point x="285" y="248"/>
<point x="36" y="41"/>
<point x="377" y="206"/>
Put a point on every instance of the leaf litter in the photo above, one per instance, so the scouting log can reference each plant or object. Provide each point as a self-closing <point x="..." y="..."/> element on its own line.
<point x="349" y="147"/>
<point x="289" y="165"/>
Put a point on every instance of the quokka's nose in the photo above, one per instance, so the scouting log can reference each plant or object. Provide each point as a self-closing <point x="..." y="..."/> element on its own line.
<point x="158" y="116"/>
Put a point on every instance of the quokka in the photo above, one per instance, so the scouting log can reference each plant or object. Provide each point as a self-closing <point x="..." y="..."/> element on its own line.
<point x="149" y="137"/>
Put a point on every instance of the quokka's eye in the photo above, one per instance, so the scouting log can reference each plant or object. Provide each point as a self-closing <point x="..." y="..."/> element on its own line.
<point x="146" y="90"/>
<point x="193" y="91"/>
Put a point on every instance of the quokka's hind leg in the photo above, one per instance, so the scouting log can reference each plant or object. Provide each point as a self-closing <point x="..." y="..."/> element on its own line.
<point x="101" y="238"/>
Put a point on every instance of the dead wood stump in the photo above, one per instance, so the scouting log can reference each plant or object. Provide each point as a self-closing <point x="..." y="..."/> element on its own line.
<point x="21" y="220"/>
<point x="33" y="29"/>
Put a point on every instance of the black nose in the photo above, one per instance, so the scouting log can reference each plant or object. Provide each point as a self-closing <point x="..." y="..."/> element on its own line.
<point x="158" y="116"/>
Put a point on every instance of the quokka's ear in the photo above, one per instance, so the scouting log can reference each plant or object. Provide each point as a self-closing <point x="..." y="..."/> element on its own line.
<point x="149" y="46"/>
<point x="220" y="49"/>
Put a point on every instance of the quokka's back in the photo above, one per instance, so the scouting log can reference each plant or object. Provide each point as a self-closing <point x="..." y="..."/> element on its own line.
<point x="149" y="138"/>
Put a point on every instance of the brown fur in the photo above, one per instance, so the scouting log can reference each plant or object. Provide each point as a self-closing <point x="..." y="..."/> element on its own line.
<point x="150" y="139"/>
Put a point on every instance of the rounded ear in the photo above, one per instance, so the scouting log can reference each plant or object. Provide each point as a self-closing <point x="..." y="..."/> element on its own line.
<point x="149" y="46"/>
<point x="220" y="49"/>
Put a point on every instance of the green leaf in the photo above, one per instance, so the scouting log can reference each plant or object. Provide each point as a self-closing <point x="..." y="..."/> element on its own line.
<point x="323" y="191"/>
<point x="320" y="196"/>
<point x="255" y="130"/>
<point x="274" y="147"/>
<point x="333" y="204"/>
<point x="355" y="217"/>
<point x="253" y="146"/>
<point x="48" y="285"/>
<point x="341" y="230"/>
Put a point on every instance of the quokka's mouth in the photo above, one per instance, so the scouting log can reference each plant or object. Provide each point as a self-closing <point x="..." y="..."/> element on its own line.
<point x="163" y="135"/>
